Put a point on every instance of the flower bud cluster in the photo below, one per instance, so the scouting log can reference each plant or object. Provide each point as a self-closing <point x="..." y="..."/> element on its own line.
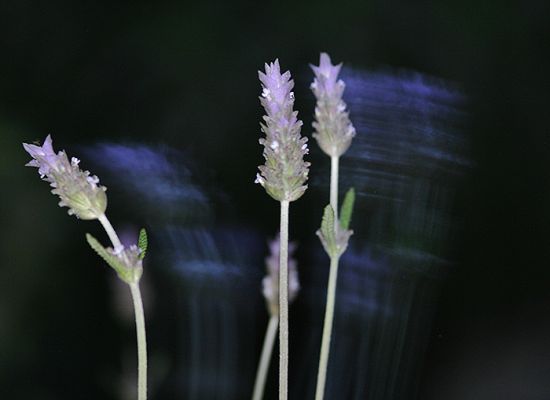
<point x="285" y="172"/>
<point x="333" y="129"/>
<point x="77" y="190"/>
<point x="270" y="282"/>
<point x="131" y="263"/>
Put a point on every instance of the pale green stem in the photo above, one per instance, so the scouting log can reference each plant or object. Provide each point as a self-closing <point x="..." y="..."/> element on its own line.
<point x="283" y="303"/>
<point x="331" y="290"/>
<point x="263" y="366"/>
<point x="334" y="185"/>
<point x="327" y="329"/>
<point x="138" y="311"/>
<point x="117" y="246"/>
<point x="141" y="341"/>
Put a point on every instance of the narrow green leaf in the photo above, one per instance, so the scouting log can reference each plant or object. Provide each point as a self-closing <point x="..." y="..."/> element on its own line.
<point x="327" y="230"/>
<point x="98" y="248"/>
<point x="103" y="253"/>
<point x="347" y="209"/>
<point x="142" y="243"/>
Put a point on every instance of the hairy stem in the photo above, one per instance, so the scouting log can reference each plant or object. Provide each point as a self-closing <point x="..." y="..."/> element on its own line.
<point x="334" y="185"/>
<point x="117" y="245"/>
<point x="141" y="341"/>
<point x="138" y="311"/>
<point x="327" y="329"/>
<point x="331" y="290"/>
<point x="267" y="349"/>
<point x="283" y="303"/>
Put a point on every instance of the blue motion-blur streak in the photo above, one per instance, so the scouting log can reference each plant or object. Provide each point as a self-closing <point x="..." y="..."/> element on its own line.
<point x="406" y="161"/>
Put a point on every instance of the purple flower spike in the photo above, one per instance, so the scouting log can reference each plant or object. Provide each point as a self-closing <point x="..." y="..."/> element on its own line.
<point x="285" y="172"/>
<point x="333" y="129"/>
<point x="77" y="190"/>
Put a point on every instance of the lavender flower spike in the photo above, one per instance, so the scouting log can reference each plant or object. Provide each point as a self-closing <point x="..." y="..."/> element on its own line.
<point x="77" y="190"/>
<point x="285" y="172"/>
<point x="270" y="283"/>
<point x="333" y="129"/>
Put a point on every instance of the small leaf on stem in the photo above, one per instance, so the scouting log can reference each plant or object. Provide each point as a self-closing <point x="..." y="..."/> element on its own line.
<point x="347" y="209"/>
<point x="327" y="233"/>
<point x="104" y="253"/>
<point x="142" y="243"/>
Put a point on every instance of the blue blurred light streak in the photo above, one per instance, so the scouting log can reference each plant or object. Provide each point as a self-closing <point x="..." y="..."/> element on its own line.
<point x="405" y="163"/>
<point x="156" y="178"/>
<point x="214" y="272"/>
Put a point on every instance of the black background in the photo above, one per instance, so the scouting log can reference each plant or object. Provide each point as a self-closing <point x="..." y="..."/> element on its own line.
<point x="184" y="74"/>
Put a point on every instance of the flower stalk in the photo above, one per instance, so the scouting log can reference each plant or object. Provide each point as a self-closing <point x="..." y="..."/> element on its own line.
<point x="141" y="340"/>
<point x="334" y="160"/>
<point x="81" y="193"/>
<point x="283" y="176"/>
<point x="283" y="303"/>
<point x="333" y="132"/>
<point x="265" y="358"/>
<point x="327" y="329"/>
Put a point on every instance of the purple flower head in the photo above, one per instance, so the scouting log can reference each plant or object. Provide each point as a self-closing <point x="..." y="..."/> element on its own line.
<point x="270" y="283"/>
<point x="333" y="129"/>
<point x="76" y="188"/>
<point x="285" y="171"/>
<point x="326" y="76"/>
<point x="43" y="156"/>
<point x="277" y="89"/>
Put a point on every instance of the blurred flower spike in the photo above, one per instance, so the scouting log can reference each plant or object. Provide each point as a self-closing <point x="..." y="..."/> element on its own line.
<point x="270" y="283"/>
<point x="333" y="129"/>
<point x="285" y="172"/>
<point x="77" y="190"/>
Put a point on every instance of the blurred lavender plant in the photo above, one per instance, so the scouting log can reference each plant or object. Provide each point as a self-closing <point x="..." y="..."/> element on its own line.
<point x="86" y="200"/>
<point x="270" y="290"/>
<point x="270" y="283"/>
<point x="334" y="133"/>
<point x="283" y="176"/>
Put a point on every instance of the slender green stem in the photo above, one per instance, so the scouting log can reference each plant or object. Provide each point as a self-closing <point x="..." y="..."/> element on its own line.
<point x="138" y="311"/>
<point x="334" y="185"/>
<point x="117" y="245"/>
<point x="267" y="349"/>
<point x="327" y="329"/>
<point x="141" y="341"/>
<point x="283" y="303"/>
<point x="331" y="290"/>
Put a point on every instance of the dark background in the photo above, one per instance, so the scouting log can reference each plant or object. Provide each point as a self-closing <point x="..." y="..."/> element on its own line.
<point x="183" y="75"/>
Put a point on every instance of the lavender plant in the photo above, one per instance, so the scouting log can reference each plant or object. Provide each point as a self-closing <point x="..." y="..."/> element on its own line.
<point x="86" y="199"/>
<point x="333" y="132"/>
<point x="283" y="176"/>
<point x="270" y="289"/>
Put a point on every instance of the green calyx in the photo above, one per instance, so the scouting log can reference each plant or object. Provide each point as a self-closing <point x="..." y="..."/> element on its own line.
<point x="127" y="263"/>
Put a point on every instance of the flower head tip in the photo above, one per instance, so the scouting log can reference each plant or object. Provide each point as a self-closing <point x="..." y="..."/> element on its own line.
<point x="333" y="129"/>
<point x="77" y="190"/>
